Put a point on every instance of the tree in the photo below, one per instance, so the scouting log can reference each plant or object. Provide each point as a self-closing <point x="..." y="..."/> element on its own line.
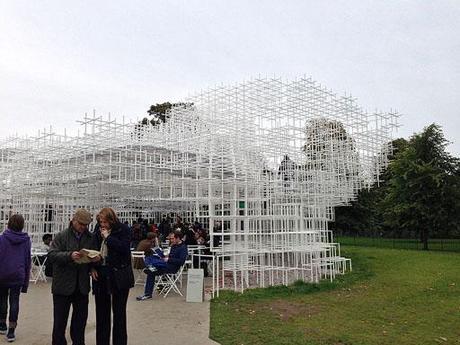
<point x="324" y="139"/>
<point x="160" y="111"/>
<point x="287" y="168"/>
<point x="364" y="216"/>
<point x="360" y="217"/>
<point x="423" y="191"/>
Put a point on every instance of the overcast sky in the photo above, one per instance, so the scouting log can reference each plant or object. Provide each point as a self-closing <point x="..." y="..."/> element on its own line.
<point x="60" y="59"/>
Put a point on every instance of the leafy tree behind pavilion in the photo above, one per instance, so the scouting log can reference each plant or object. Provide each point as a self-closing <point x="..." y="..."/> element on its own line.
<point x="159" y="113"/>
<point x="424" y="189"/>
<point x="419" y="195"/>
<point x="364" y="216"/>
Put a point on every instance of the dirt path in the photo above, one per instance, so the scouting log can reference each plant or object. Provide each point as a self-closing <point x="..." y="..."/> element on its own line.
<point x="161" y="320"/>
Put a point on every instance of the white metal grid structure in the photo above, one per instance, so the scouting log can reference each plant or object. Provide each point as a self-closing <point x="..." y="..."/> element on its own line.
<point x="262" y="164"/>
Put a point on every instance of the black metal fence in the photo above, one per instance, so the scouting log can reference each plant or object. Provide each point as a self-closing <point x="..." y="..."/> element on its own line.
<point x="451" y="245"/>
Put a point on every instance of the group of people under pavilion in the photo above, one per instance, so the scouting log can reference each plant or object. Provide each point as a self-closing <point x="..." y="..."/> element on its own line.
<point x="76" y="274"/>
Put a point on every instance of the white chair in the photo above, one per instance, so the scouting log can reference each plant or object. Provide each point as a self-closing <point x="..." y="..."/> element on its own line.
<point x="139" y="275"/>
<point x="168" y="281"/>
<point x="37" y="271"/>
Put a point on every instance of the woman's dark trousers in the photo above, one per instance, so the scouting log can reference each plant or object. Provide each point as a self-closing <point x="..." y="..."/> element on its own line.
<point x="11" y="294"/>
<point x="61" y="306"/>
<point x="105" y="303"/>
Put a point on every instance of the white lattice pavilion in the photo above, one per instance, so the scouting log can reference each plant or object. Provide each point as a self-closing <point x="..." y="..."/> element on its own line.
<point x="267" y="159"/>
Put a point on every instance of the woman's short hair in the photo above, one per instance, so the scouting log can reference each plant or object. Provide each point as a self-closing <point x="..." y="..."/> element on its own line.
<point x="16" y="222"/>
<point x="109" y="215"/>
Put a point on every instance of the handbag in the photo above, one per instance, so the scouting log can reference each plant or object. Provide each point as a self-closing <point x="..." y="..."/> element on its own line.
<point x="123" y="277"/>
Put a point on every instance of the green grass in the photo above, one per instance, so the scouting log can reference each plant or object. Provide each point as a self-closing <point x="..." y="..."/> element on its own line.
<point x="391" y="297"/>
<point x="452" y="245"/>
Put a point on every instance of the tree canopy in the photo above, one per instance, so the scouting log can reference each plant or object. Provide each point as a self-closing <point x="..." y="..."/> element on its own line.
<point x="419" y="195"/>
<point x="160" y="113"/>
<point x="423" y="192"/>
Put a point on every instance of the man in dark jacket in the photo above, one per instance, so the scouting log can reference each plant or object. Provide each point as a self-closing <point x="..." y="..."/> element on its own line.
<point x="175" y="259"/>
<point x="71" y="281"/>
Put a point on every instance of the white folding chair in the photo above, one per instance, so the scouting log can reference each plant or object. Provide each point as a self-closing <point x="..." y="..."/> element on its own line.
<point x="138" y="272"/>
<point x="37" y="271"/>
<point x="168" y="281"/>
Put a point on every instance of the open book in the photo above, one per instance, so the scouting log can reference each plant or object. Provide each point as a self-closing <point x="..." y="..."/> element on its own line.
<point x="158" y="252"/>
<point x="87" y="255"/>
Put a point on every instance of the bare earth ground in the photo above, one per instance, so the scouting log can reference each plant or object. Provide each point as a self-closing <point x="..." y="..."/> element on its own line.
<point x="169" y="320"/>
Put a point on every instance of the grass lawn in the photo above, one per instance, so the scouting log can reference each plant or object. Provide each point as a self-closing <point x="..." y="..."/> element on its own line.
<point x="391" y="297"/>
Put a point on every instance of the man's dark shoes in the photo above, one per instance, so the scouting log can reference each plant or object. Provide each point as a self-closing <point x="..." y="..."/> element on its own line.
<point x="10" y="335"/>
<point x="3" y="328"/>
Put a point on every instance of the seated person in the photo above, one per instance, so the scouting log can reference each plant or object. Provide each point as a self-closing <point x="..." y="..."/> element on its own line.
<point x="40" y="260"/>
<point x="202" y="238"/>
<point x="143" y="246"/>
<point x="189" y="237"/>
<point x="136" y="234"/>
<point x="168" y="264"/>
<point x="47" y="239"/>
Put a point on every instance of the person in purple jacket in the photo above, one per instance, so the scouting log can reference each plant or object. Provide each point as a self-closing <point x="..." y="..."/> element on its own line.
<point x="15" y="264"/>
